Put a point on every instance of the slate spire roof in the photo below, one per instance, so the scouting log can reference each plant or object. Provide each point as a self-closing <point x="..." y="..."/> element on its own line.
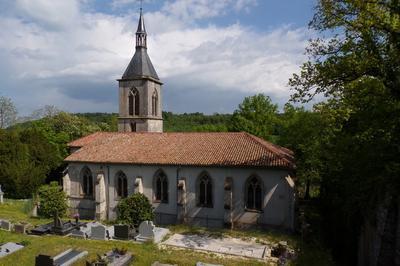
<point x="141" y="28"/>
<point x="140" y="65"/>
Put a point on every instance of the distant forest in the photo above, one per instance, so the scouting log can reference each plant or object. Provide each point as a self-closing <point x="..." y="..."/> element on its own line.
<point x="186" y="122"/>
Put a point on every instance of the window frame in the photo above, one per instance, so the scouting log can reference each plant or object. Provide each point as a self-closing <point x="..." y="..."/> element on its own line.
<point x="161" y="196"/>
<point x="259" y="183"/>
<point x="86" y="177"/>
<point x="208" y="191"/>
<point x="121" y="185"/>
<point x="154" y="103"/>
<point x="133" y="102"/>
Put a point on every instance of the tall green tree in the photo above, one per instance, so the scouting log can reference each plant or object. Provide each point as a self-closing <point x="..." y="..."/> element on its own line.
<point x="302" y="131"/>
<point x="358" y="71"/>
<point x="256" y="115"/>
<point x="24" y="163"/>
<point x="52" y="200"/>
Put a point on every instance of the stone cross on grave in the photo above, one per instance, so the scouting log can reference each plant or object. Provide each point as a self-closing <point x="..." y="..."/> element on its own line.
<point x="57" y="221"/>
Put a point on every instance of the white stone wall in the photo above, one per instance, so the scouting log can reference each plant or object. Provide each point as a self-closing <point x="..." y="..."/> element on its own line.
<point x="278" y="196"/>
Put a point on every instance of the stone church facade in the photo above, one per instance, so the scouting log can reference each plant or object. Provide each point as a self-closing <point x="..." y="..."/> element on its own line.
<point x="208" y="179"/>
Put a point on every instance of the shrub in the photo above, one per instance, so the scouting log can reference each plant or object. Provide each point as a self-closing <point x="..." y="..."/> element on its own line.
<point x="135" y="209"/>
<point x="51" y="199"/>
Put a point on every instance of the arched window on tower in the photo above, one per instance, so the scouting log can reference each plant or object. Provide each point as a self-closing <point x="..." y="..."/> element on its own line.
<point x="134" y="102"/>
<point x="154" y="101"/>
<point x="87" y="182"/>
<point x="122" y="185"/>
<point x="204" y="198"/>
<point x="160" y="187"/>
<point x="253" y="194"/>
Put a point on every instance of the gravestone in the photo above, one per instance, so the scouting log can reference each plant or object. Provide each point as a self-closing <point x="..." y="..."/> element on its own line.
<point x="148" y="232"/>
<point x="98" y="232"/>
<point x="21" y="228"/>
<point x="146" y="229"/>
<point x="122" y="231"/>
<point x="78" y="234"/>
<point x="57" y="221"/>
<point x="1" y="195"/>
<point x="34" y="210"/>
<point x="5" y="225"/>
<point x="9" y="248"/>
<point x="65" y="258"/>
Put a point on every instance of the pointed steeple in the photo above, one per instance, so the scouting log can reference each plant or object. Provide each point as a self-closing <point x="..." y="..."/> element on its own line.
<point x="140" y="93"/>
<point x="140" y="65"/>
<point x="141" y="35"/>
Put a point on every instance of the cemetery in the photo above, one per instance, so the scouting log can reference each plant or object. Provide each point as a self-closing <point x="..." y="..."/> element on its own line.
<point x="37" y="241"/>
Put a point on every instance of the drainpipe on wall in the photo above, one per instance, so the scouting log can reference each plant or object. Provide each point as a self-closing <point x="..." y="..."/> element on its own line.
<point x="108" y="192"/>
<point x="176" y="188"/>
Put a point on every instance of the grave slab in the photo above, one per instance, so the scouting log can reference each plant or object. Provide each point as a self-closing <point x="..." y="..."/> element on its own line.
<point x="230" y="246"/>
<point x="157" y="263"/>
<point x="148" y="232"/>
<point x="199" y="263"/>
<point x="113" y="258"/>
<point x="65" y="258"/>
<point x="9" y="248"/>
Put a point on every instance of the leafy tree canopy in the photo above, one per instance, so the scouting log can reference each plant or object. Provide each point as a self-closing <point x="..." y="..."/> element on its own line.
<point x="358" y="71"/>
<point x="52" y="199"/>
<point x="135" y="209"/>
<point x="256" y="115"/>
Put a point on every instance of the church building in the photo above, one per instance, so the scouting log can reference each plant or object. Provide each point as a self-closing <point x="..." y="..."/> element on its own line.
<point x="207" y="179"/>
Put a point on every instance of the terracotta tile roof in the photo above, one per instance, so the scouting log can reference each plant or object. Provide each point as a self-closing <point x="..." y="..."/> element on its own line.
<point x="234" y="149"/>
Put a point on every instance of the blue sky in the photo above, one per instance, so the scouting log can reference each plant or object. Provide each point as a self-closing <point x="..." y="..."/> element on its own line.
<point x="210" y="54"/>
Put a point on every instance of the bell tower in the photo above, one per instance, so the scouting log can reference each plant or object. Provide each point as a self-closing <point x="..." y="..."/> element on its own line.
<point x="140" y="108"/>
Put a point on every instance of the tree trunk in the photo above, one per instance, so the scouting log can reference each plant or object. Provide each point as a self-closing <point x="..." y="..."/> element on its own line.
<point x="307" y="194"/>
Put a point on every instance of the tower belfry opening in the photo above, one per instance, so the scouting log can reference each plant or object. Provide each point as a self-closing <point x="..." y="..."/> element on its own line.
<point x="140" y="89"/>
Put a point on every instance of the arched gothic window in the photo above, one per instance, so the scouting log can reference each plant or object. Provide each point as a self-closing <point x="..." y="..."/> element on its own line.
<point x="87" y="182"/>
<point x="253" y="194"/>
<point x="161" y="187"/>
<point x="122" y="185"/>
<point x="205" y="191"/>
<point x="154" y="103"/>
<point x="134" y="102"/>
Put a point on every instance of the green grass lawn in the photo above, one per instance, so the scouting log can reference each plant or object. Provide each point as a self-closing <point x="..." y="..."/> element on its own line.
<point x="309" y="253"/>
<point x="145" y="254"/>
<point x="19" y="211"/>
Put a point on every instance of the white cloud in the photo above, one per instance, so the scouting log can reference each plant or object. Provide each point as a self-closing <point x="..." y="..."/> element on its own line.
<point x="52" y="13"/>
<point x="97" y="48"/>
<point x="191" y="10"/>
<point x="123" y="3"/>
<point x="245" y="4"/>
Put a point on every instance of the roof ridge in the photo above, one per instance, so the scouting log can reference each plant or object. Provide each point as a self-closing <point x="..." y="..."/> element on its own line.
<point x="271" y="147"/>
<point x="239" y="149"/>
